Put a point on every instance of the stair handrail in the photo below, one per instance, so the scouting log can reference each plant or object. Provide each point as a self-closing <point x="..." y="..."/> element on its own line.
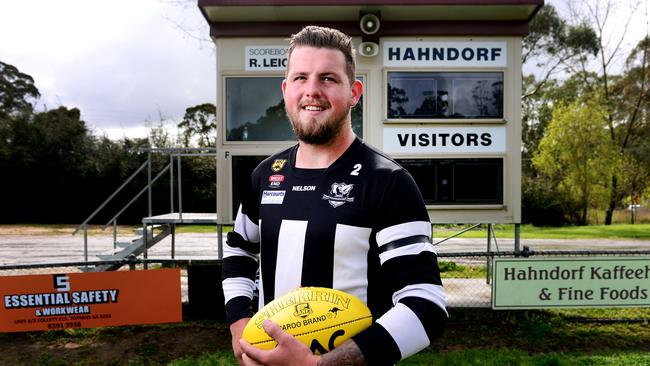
<point x="92" y="215"/>
<point x="137" y="195"/>
<point x="173" y="153"/>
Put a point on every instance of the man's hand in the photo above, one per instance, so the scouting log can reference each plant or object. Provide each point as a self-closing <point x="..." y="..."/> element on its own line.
<point x="236" y="330"/>
<point x="289" y="351"/>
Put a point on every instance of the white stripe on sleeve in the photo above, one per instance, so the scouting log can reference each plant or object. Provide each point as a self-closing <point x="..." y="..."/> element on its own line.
<point x="413" y="249"/>
<point x="428" y="291"/>
<point x="237" y="286"/>
<point x="405" y="328"/>
<point x="229" y="251"/>
<point x="246" y="228"/>
<point x="401" y="231"/>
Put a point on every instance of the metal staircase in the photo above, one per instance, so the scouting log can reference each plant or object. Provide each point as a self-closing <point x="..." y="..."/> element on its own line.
<point x="136" y="247"/>
<point x="155" y="228"/>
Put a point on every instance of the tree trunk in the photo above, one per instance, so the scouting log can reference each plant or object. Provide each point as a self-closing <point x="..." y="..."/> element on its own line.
<point x="612" y="200"/>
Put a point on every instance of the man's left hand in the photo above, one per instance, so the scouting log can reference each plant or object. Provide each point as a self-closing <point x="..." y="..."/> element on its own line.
<point x="289" y="351"/>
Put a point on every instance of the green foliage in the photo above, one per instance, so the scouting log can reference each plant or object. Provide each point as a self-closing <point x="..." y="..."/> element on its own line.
<point x="16" y="90"/>
<point x="541" y="204"/>
<point x="510" y="357"/>
<point x="449" y="269"/>
<point x="222" y="358"/>
<point x="200" y="123"/>
<point x="619" y="231"/>
<point x="577" y="154"/>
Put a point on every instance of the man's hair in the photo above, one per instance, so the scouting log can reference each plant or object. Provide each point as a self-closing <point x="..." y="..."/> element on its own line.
<point x="323" y="37"/>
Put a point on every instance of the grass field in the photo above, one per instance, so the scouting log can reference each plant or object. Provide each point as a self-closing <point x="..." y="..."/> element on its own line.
<point x="618" y="231"/>
<point x="473" y="337"/>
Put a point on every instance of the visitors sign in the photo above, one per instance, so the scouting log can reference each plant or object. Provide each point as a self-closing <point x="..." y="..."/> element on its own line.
<point x="526" y="283"/>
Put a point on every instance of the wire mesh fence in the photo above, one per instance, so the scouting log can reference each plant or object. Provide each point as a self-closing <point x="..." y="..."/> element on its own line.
<point x="466" y="276"/>
<point x="467" y="279"/>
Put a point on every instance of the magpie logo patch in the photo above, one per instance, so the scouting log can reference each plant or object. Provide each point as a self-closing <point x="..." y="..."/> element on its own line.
<point x="339" y="194"/>
<point x="272" y="197"/>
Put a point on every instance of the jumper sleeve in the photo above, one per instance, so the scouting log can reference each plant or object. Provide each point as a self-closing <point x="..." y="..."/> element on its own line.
<point x="409" y="265"/>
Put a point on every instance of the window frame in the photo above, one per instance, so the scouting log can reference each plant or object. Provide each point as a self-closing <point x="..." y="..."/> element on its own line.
<point x="415" y="71"/>
<point x="222" y="113"/>
<point x="454" y="205"/>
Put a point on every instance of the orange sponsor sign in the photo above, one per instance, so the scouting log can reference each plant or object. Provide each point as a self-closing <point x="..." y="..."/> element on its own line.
<point x="87" y="300"/>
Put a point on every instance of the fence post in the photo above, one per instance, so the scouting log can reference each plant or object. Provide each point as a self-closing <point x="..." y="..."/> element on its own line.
<point x="149" y="183"/>
<point x="517" y="232"/>
<point x="488" y="265"/>
<point x="86" y="243"/>
<point x="171" y="183"/>
<point x="144" y="242"/>
<point x="115" y="234"/>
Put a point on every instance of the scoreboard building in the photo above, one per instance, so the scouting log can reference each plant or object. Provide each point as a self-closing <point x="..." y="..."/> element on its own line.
<point x="442" y="93"/>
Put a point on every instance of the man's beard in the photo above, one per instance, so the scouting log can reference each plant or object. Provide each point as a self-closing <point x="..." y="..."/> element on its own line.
<point x="319" y="133"/>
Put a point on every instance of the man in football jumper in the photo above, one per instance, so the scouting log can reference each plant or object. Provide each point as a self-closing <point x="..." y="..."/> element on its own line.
<point x="333" y="212"/>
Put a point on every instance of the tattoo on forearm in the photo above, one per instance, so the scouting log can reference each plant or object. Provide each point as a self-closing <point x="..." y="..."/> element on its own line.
<point x="347" y="354"/>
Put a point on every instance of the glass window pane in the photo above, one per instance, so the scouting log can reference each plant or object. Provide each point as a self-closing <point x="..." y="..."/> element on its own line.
<point x="255" y="110"/>
<point x="454" y="181"/>
<point x="473" y="95"/>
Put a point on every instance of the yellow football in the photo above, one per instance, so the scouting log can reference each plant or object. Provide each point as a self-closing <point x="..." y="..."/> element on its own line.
<point x="321" y="318"/>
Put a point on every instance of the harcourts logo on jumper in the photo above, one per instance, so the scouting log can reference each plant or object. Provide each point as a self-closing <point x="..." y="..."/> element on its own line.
<point x="272" y="197"/>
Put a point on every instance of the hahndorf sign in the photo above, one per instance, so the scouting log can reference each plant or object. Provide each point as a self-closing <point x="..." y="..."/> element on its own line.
<point x="525" y="283"/>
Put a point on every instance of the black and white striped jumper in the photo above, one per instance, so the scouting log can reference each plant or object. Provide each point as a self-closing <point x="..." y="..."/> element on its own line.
<point x="359" y="226"/>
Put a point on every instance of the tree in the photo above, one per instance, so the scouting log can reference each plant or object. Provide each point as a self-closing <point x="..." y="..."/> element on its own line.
<point x="16" y="90"/>
<point x="590" y="69"/>
<point x="620" y="126"/>
<point x="554" y="45"/>
<point x="576" y="153"/>
<point x="200" y="122"/>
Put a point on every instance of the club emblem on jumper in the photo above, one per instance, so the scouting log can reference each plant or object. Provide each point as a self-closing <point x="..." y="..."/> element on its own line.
<point x="339" y="194"/>
<point x="303" y="310"/>
<point x="278" y="164"/>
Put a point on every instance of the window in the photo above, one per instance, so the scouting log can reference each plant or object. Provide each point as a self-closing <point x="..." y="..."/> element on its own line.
<point x="445" y="95"/>
<point x="255" y="110"/>
<point x="471" y="181"/>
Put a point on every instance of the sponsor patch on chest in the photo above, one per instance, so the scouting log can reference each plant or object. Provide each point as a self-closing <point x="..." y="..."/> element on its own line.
<point x="272" y="197"/>
<point x="303" y="188"/>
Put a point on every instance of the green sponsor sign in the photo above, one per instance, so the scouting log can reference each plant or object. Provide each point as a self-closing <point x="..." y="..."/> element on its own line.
<point x="525" y="283"/>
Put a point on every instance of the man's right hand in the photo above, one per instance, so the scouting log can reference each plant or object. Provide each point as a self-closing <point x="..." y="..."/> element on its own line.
<point x="236" y="330"/>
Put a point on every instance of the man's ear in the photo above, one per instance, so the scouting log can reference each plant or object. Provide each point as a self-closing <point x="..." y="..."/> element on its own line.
<point x="357" y="91"/>
<point x="284" y="86"/>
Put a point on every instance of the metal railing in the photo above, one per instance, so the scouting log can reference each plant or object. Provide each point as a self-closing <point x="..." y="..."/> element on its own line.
<point x="174" y="154"/>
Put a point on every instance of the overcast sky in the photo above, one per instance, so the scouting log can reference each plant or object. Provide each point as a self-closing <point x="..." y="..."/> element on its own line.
<point x="121" y="62"/>
<point x="124" y="63"/>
